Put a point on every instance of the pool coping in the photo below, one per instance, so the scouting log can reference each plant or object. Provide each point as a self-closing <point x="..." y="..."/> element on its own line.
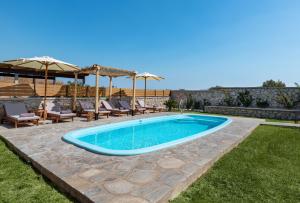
<point x="154" y="177"/>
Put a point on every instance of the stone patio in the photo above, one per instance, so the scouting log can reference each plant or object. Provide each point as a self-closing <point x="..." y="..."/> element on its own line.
<point x="154" y="177"/>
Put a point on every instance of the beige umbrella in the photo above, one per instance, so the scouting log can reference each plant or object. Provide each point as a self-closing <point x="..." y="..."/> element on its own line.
<point x="147" y="76"/>
<point x="44" y="63"/>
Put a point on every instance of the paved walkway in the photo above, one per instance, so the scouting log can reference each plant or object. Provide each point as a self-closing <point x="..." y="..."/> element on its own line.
<point x="153" y="177"/>
<point x="281" y="124"/>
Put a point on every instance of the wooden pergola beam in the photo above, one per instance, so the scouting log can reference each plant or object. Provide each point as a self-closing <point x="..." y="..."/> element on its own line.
<point x="107" y="71"/>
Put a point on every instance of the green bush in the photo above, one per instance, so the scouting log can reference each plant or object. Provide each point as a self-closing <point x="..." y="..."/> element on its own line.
<point x="170" y="104"/>
<point x="245" y="98"/>
<point x="262" y="103"/>
<point x="189" y="102"/>
<point x="285" y="100"/>
<point x="229" y="100"/>
<point x="197" y="105"/>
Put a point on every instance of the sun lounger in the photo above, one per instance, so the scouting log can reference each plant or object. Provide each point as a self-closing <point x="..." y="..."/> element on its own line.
<point x="154" y="108"/>
<point x="87" y="106"/>
<point x="55" y="112"/>
<point x="126" y="105"/>
<point x="17" y="113"/>
<point x="115" y="111"/>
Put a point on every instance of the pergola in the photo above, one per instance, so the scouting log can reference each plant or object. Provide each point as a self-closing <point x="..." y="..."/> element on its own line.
<point x="99" y="70"/>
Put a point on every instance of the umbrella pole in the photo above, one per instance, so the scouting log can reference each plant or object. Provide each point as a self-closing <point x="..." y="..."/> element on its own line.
<point x="45" y="91"/>
<point x="110" y="87"/>
<point x="133" y="95"/>
<point x="75" y="92"/>
<point x="145" y="92"/>
<point x="97" y="95"/>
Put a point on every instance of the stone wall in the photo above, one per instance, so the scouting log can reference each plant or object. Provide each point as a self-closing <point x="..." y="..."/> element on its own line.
<point x="216" y="96"/>
<point x="255" y="112"/>
<point x="33" y="103"/>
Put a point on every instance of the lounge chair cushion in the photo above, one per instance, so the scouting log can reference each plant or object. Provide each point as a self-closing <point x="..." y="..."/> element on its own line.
<point x="55" y="113"/>
<point x="51" y="106"/>
<point x="108" y="106"/>
<point x="15" y="108"/>
<point x="27" y="115"/>
<point x="66" y="111"/>
<point x="19" y="118"/>
<point x="86" y="105"/>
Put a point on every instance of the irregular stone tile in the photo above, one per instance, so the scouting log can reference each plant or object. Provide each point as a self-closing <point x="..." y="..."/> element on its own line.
<point x="142" y="176"/>
<point x="158" y="193"/>
<point x="91" y="172"/>
<point x="128" y="199"/>
<point x="102" y="197"/>
<point x="127" y="165"/>
<point x="119" y="186"/>
<point x="189" y="169"/>
<point x="170" y="163"/>
<point x="171" y="177"/>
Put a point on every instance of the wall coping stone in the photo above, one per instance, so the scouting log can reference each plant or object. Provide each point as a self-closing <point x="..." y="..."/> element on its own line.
<point x="253" y="108"/>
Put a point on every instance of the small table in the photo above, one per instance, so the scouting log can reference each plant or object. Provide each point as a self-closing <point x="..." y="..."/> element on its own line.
<point x="90" y="115"/>
<point x="39" y="112"/>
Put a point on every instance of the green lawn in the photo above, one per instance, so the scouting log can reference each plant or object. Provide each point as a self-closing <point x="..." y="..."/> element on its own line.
<point x="19" y="183"/>
<point x="263" y="168"/>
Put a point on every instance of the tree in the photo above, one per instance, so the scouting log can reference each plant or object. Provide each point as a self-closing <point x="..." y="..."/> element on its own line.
<point x="273" y="83"/>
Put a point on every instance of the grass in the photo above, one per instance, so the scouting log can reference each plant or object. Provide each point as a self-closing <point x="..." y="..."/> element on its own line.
<point x="263" y="168"/>
<point x="20" y="183"/>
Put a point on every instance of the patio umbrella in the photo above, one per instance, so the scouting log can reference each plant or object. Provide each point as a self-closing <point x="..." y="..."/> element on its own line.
<point x="43" y="63"/>
<point x="147" y="76"/>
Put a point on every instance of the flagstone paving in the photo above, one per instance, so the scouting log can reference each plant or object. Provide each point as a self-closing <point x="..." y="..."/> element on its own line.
<point x="152" y="177"/>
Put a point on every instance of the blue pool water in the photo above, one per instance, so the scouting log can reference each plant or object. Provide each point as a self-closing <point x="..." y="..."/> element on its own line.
<point x="145" y="135"/>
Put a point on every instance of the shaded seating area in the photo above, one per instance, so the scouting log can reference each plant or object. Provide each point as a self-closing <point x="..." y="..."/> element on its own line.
<point x="57" y="113"/>
<point x="87" y="109"/>
<point x="17" y="114"/>
<point x="125" y="105"/>
<point x="114" y="111"/>
<point x="154" y="108"/>
<point x="49" y="68"/>
<point x="99" y="70"/>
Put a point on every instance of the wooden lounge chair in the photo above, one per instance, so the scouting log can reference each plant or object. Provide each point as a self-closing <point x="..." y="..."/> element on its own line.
<point x="56" y="113"/>
<point x="125" y="105"/>
<point x="87" y="107"/>
<point x="17" y="113"/>
<point x="154" y="108"/>
<point x="115" y="111"/>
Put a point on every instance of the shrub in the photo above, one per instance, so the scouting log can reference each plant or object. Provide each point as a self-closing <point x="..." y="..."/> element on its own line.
<point x="229" y="100"/>
<point x="245" y="98"/>
<point x="170" y="104"/>
<point x="206" y="102"/>
<point x="285" y="100"/>
<point x="189" y="102"/>
<point x="262" y="103"/>
<point x="197" y="104"/>
<point x="273" y="83"/>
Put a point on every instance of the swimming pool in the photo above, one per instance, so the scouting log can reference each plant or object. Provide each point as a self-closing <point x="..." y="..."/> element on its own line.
<point x="145" y="135"/>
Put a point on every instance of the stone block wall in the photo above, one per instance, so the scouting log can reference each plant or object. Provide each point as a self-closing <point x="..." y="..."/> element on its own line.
<point x="271" y="113"/>
<point x="216" y="96"/>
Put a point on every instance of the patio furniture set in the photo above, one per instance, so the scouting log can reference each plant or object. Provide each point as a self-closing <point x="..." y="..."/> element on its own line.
<point x="17" y="113"/>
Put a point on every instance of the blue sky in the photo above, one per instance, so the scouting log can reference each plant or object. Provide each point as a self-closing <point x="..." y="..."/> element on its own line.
<point x="193" y="44"/>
